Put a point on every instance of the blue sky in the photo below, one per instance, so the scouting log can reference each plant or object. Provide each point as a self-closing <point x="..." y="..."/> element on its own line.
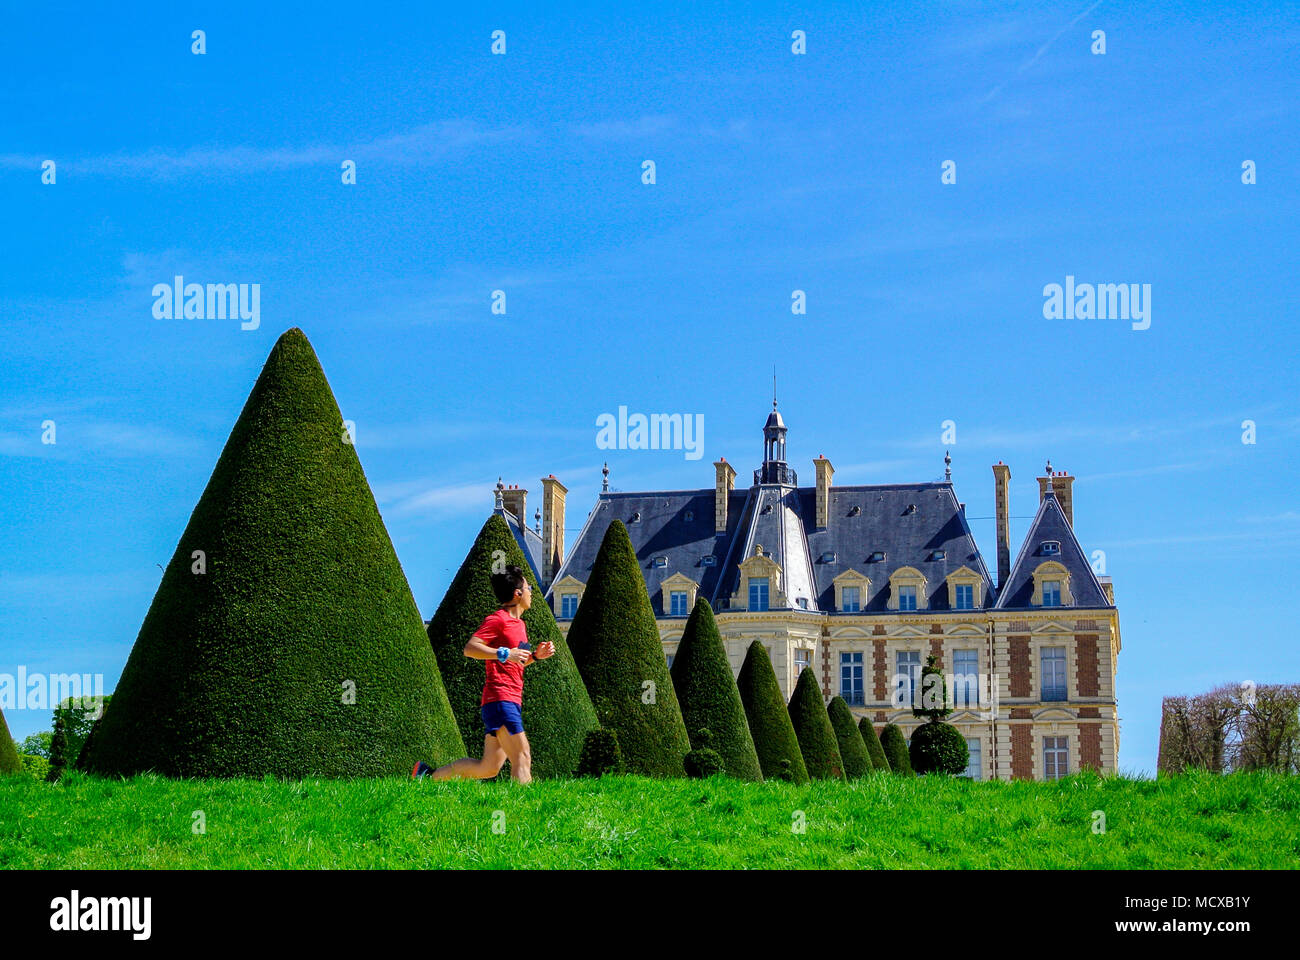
<point x="774" y="173"/>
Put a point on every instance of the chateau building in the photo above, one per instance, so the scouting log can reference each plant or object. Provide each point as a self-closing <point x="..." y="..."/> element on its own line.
<point x="860" y="584"/>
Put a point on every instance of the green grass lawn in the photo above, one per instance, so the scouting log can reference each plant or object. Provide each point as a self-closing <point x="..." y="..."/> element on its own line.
<point x="1194" y="821"/>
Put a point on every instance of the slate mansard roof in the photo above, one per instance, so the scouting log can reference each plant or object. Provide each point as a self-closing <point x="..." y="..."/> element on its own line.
<point x="932" y="537"/>
<point x="1049" y="524"/>
<point x="918" y="525"/>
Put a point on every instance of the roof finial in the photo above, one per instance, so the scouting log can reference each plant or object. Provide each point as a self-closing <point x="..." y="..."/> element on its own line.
<point x="774" y="386"/>
<point x="1049" y="468"/>
<point x="537" y="519"/>
<point x="604" y="484"/>
<point x="947" y="466"/>
<point x="499" y="488"/>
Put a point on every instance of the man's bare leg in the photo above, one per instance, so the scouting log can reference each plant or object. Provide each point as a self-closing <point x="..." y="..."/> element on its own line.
<point x="467" y="768"/>
<point x="520" y="753"/>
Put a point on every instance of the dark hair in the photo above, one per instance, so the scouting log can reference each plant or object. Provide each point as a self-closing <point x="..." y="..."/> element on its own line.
<point x="505" y="584"/>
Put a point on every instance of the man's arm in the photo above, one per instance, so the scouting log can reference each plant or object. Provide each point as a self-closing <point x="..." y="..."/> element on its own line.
<point x="476" y="649"/>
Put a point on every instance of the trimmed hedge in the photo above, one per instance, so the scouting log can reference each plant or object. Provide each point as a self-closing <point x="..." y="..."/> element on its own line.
<point x="298" y="651"/>
<point x="853" y="751"/>
<point x="769" y="720"/>
<point x="557" y="711"/>
<point x="9" y="761"/>
<point x="709" y="698"/>
<point x="615" y="641"/>
<point x="938" y="748"/>
<point x="600" y="754"/>
<point x="874" y="750"/>
<point x="703" y="761"/>
<point x="895" y="747"/>
<point x="812" y="727"/>
<point x="931" y="692"/>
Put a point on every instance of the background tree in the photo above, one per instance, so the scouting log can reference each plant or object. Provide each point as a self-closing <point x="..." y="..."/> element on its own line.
<point x="895" y="746"/>
<point x="615" y="642"/>
<point x="872" y="740"/>
<point x="709" y="697"/>
<point x="9" y="762"/>
<point x="769" y="720"/>
<point x="853" y="749"/>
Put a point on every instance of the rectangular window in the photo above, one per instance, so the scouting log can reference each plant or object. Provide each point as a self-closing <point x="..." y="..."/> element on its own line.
<point x="678" y="603"/>
<point x="850" y="599"/>
<point x="568" y="605"/>
<point x="758" y="593"/>
<point x="802" y="660"/>
<point x="670" y="656"/>
<point x="905" y="677"/>
<point x="1053" y="661"/>
<point x="965" y="596"/>
<point x="1051" y="593"/>
<point x="973" y="765"/>
<point x="965" y="678"/>
<point x="851" y="678"/>
<point x="907" y="598"/>
<point x="1056" y="757"/>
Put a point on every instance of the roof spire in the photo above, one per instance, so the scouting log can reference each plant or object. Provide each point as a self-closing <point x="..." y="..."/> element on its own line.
<point x="604" y="484"/>
<point x="947" y="466"/>
<point x="774" y="386"/>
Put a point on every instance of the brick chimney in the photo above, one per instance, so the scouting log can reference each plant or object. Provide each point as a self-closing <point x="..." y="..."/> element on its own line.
<point x="724" y="483"/>
<point x="552" y="527"/>
<point x="1062" y="486"/>
<point x="824" y="473"/>
<point x="1002" y="509"/>
<point x="513" y="499"/>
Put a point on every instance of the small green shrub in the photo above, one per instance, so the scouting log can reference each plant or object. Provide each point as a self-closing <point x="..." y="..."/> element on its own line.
<point x="874" y="749"/>
<point x="37" y="767"/>
<point x="600" y="754"/>
<point x="938" y="748"/>
<point x="895" y="747"/>
<point x="703" y="761"/>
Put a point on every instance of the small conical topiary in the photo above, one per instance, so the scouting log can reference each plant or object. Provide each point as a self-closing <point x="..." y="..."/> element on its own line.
<point x="895" y="747"/>
<point x="812" y="726"/>
<point x="932" y="692"/>
<point x="874" y="750"/>
<point x="557" y="711"/>
<point x="769" y="720"/>
<point x="9" y="762"/>
<point x="615" y="641"/>
<point x="283" y="639"/>
<point x="709" y="697"/>
<point x="853" y="751"/>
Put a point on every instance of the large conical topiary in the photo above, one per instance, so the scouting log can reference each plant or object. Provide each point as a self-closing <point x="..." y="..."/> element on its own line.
<point x="895" y="746"/>
<point x="812" y="727"/>
<point x="283" y="638"/>
<point x="853" y="751"/>
<point x="615" y="641"/>
<point x="769" y="720"/>
<point x="557" y="711"/>
<point x="9" y="762"/>
<point x="872" y="740"/>
<point x="709" y="697"/>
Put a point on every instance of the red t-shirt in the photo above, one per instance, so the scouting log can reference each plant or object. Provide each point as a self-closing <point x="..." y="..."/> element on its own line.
<point x="505" y="681"/>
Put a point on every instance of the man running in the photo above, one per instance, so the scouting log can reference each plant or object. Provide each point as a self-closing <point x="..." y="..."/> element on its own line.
<point x="502" y="642"/>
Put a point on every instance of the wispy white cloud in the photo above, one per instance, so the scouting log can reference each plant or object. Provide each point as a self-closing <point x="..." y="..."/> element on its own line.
<point x="657" y="125"/>
<point x="1038" y="54"/>
<point x="427" y="143"/>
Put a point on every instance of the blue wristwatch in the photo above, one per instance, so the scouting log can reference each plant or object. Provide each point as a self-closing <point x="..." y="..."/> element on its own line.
<point x="503" y="654"/>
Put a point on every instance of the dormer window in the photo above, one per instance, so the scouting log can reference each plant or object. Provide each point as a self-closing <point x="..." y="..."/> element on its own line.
<point x="1051" y="593"/>
<point x="938" y="554"/>
<point x="688" y="516"/>
<point x="659" y="562"/>
<point x="855" y="511"/>
<point x="1051" y="585"/>
<point x="1051" y="548"/>
<point x="709" y="561"/>
<point x="877" y="557"/>
<point x="911" y="508"/>
<point x="828" y="557"/>
<point x="635" y="518"/>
